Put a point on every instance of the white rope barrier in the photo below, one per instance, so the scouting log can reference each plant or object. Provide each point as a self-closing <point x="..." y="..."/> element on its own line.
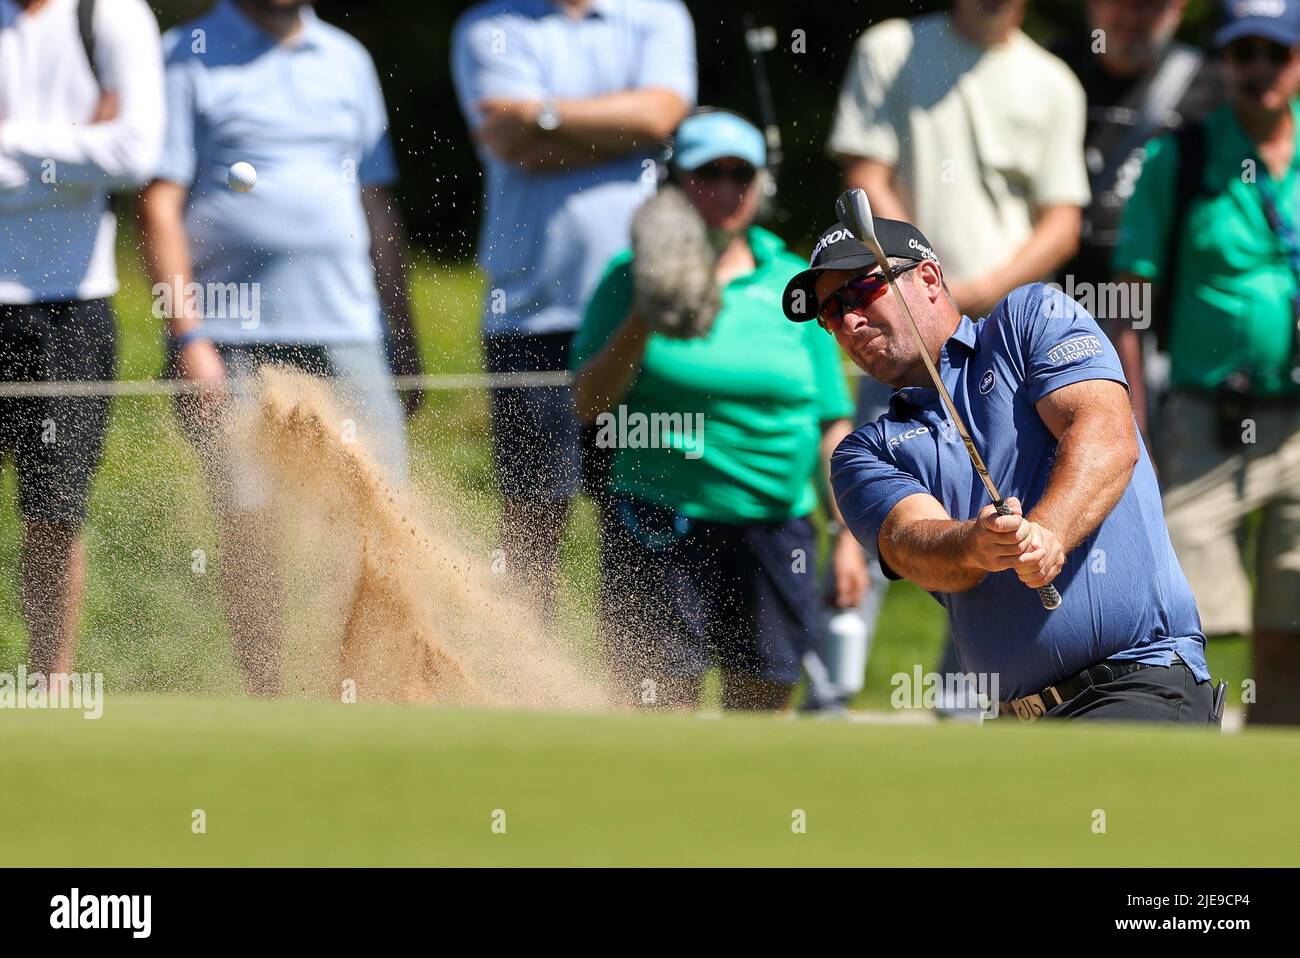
<point x="179" y="387"/>
<point x="444" y="382"/>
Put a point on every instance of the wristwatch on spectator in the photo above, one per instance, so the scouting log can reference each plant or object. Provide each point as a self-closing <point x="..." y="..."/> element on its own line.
<point x="548" y="117"/>
<point x="835" y="529"/>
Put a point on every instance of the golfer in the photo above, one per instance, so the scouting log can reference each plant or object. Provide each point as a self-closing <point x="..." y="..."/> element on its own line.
<point x="1041" y="391"/>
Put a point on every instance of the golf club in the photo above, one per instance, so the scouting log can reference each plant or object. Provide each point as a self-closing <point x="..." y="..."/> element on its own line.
<point x="854" y="212"/>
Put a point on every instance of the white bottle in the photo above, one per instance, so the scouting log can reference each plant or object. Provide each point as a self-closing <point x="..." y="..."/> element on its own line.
<point x="844" y="651"/>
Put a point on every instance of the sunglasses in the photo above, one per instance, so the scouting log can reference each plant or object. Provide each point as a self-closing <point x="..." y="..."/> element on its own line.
<point x="712" y="172"/>
<point x="1242" y="52"/>
<point x="857" y="294"/>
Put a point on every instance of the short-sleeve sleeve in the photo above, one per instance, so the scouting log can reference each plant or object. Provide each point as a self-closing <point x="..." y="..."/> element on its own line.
<point x="1144" y="230"/>
<point x="377" y="168"/>
<point x="1060" y="342"/>
<point x="1062" y="176"/>
<point x="491" y="57"/>
<point x="864" y="122"/>
<point x="833" y="400"/>
<point x="868" y="484"/>
<point x="608" y="307"/>
<point x="179" y="158"/>
<point x="668" y="56"/>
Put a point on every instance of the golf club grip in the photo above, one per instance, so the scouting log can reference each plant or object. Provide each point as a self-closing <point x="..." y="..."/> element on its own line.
<point x="1047" y="594"/>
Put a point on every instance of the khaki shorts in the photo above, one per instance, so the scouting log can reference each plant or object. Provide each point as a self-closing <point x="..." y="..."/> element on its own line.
<point x="1208" y="493"/>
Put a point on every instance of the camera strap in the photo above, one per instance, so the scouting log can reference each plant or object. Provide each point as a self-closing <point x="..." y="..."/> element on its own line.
<point x="1285" y="231"/>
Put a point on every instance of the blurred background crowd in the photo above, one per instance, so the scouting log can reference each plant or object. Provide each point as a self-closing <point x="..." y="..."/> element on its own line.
<point x="1141" y="153"/>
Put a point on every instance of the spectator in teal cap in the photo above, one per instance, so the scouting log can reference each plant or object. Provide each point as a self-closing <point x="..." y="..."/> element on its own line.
<point x="709" y="554"/>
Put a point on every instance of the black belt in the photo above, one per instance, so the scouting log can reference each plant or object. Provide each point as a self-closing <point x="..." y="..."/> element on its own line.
<point x="1027" y="708"/>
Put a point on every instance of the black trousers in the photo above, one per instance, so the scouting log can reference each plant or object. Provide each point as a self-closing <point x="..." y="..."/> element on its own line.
<point x="1167" y="694"/>
<point x="56" y="441"/>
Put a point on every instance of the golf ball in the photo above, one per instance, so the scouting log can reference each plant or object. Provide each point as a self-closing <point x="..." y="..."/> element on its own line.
<point x="241" y="177"/>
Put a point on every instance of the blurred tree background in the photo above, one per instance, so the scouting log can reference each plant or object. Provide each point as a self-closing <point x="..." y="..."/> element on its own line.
<point x="441" y="186"/>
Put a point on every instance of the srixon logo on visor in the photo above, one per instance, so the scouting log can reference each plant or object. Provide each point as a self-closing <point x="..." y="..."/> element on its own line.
<point x="828" y="240"/>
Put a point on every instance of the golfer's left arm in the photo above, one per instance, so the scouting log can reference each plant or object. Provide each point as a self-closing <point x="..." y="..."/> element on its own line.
<point x="1096" y="453"/>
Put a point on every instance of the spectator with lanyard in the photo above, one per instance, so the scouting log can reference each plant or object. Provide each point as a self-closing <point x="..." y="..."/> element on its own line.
<point x="1213" y="222"/>
<point x="1140" y="82"/>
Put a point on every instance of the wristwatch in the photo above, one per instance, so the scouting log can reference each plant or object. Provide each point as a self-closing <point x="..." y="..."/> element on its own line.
<point x="834" y="529"/>
<point x="548" y="117"/>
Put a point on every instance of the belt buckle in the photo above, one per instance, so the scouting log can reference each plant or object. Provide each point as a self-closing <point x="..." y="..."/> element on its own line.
<point x="1028" y="708"/>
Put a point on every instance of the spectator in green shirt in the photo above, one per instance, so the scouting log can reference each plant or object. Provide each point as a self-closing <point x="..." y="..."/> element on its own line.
<point x="1213" y="219"/>
<point x="708" y="555"/>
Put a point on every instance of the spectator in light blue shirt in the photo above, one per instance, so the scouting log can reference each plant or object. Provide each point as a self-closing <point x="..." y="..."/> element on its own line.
<point x="302" y="269"/>
<point x="567" y="102"/>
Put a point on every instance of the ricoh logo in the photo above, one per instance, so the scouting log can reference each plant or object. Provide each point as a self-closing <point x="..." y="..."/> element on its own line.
<point x="910" y="434"/>
<point x="76" y="911"/>
<point x="241" y="301"/>
<point x="1259" y="8"/>
<point x="660" y="430"/>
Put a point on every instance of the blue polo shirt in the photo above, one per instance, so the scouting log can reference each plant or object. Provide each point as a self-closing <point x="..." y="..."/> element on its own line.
<point x="310" y="116"/>
<point x="546" y="237"/>
<point x="1124" y="594"/>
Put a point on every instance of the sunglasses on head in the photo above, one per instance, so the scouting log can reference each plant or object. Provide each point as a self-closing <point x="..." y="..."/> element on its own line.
<point x="1243" y="52"/>
<point x="857" y="294"/>
<point x="741" y="173"/>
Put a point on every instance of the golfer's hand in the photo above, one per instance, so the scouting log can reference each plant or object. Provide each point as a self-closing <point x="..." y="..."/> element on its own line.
<point x="850" y="569"/>
<point x="997" y="542"/>
<point x="1043" y="558"/>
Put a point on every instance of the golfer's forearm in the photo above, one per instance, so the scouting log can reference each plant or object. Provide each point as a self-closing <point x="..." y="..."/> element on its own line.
<point x="618" y="123"/>
<point x="165" y="247"/>
<point x="606" y="378"/>
<point x="1091" y="471"/>
<point x="933" y="553"/>
<point x="1054" y="240"/>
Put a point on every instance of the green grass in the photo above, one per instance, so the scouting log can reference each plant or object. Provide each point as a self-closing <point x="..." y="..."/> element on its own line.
<point x="294" y="783"/>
